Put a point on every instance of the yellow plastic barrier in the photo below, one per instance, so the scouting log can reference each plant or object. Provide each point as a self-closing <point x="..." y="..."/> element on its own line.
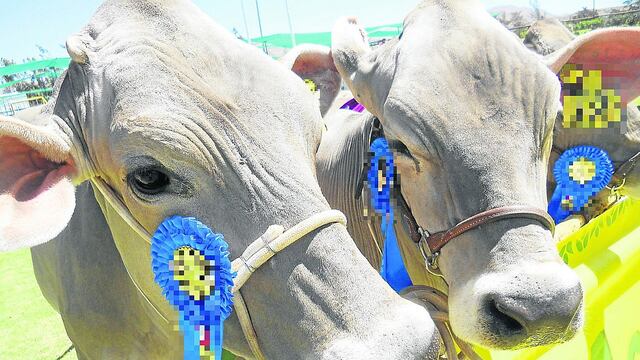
<point x="606" y="255"/>
<point x="40" y="100"/>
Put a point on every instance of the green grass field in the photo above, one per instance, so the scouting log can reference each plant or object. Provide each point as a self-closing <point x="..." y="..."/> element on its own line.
<point x="29" y="327"/>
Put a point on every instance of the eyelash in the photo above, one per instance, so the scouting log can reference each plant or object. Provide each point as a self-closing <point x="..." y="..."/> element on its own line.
<point x="400" y="148"/>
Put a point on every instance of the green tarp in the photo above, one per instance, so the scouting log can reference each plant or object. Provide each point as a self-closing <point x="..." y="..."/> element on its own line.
<point x="324" y="38"/>
<point x="276" y="40"/>
<point x="58" y="63"/>
<point x="51" y="74"/>
<point x="284" y="40"/>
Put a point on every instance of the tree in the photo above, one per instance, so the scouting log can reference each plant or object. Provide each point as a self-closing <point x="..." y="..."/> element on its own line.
<point x="585" y="13"/>
<point x="7" y="62"/>
<point x="634" y="4"/>
<point x="536" y="8"/>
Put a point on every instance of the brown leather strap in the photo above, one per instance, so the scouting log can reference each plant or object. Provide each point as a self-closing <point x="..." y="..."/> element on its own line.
<point x="438" y="240"/>
<point x="407" y="220"/>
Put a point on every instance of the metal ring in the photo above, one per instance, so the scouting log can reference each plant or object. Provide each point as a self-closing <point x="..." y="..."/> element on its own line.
<point x="430" y="259"/>
<point x="618" y="186"/>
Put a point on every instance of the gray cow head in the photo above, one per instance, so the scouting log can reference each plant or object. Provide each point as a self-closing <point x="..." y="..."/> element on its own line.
<point x="470" y="112"/>
<point x="178" y="117"/>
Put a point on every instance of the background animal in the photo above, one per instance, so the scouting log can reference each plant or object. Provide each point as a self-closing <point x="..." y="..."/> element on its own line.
<point x="612" y="57"/>
<point x="547" y="35"/>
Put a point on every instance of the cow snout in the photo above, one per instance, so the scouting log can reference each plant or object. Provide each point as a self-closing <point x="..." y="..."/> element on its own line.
<point x="535" y="315"/>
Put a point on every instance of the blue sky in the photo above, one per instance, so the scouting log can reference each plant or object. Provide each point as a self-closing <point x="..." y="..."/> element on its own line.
<point x="27" y="23"/>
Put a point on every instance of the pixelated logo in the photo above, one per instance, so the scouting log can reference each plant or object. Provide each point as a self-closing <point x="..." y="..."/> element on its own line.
<point x="582" y="170"/>
<point x="587" y="105"/>
<point x="193" y="272"/>
<point x="311" y="84"/>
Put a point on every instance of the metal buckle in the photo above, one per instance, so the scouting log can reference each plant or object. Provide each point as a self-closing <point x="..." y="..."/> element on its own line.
<point x="615" y="189"/>
<point x="430" y="258"/>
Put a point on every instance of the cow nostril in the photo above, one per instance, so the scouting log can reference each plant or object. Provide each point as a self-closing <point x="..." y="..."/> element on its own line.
<point x="504" y="318"/>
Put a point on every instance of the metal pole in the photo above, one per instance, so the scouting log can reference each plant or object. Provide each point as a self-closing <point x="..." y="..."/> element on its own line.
<point x="264" y="46"/>
<point x="293" y="37"/>
<point x="244" y="17"/>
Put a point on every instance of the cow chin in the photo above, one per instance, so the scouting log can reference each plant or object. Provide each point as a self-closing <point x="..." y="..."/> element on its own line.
<point x="496" y="311"/>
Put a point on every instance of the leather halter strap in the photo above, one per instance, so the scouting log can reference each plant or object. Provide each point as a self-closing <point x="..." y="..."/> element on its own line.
<point x="439" y="239"/>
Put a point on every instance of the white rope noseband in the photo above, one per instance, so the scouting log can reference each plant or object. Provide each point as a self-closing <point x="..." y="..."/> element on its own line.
<point x="273" y="241"/>
<point x="260" y="251"/>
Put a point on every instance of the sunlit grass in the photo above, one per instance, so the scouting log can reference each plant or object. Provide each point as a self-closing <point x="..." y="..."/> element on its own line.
<point x="29" y="327"/>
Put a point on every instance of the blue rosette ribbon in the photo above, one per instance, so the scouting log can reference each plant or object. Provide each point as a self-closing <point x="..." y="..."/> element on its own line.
<point x="580" y="173"/>
<point x="380" y="178"/>
<point x="191" y="264"/>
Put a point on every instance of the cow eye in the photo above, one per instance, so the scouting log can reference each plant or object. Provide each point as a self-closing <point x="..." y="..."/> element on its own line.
<point x="149" y="181"/>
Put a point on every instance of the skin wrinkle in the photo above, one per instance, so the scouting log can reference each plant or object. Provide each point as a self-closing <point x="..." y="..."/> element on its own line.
<point x="203" y="155"/>
<point x="303" y="287"/>
<point x="255" y="170"/>
<point x="418" y="137"/>
<point x="216" y="146"/>
<point x="240" y="154"/>
<point x="200" y="99"/>
<point x="405" y="111"/>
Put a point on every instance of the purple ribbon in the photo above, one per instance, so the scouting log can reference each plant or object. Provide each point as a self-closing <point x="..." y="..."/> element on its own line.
<point x="353" y="105"/>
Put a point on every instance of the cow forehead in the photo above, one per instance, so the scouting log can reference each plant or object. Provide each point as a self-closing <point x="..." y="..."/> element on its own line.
<point x="188" y="72"/>
<point x="466" y="75"/>
<point x="461" y="37"/>
<point x="157" y="75"/>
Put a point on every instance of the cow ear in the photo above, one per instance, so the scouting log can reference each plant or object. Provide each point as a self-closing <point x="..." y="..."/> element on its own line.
<point x="357" y="64"/>
<point x="350" y="45"/>
<point x="314" y="64"/>
<point x="613" y="52"/>
<point x="37" y="197"/>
